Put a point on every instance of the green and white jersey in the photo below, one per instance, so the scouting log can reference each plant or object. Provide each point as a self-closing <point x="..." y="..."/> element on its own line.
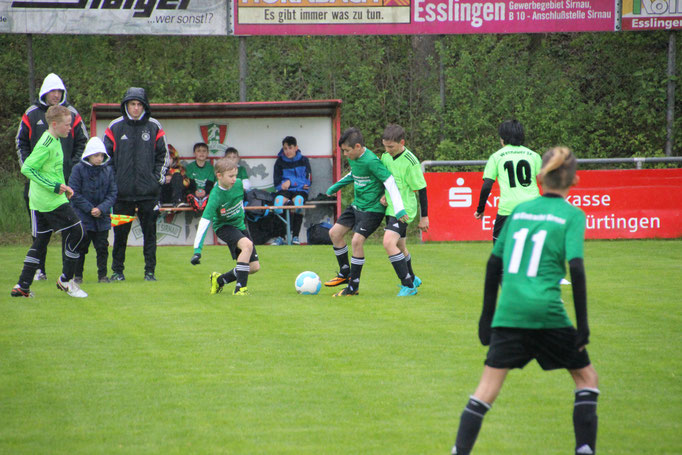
<point x="515" y="167"/>
<point x="537" y="240"/>
<point x="224" y="207"/>
<point x="45" y="169"/>
<point x="200" y="175"/>
<point x="241" y="173"/>
<point x="368" y="175"/>
<point x="409" y="177"/>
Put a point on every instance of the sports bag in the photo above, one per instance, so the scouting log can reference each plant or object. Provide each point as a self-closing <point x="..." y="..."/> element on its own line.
<point x="318" y="234"/>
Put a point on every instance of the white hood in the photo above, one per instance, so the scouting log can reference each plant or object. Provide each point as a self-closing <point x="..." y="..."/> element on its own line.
<point x="94" y="145"/>
<point x="52" y="82"/>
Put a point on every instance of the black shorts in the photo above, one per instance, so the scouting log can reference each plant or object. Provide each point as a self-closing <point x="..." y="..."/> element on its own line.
<point x="231" y="235"/>
<point x="395" y="225"/>
<point x="63" y="217"/>
<point x="364" y="223"/>
<point x="552" y="348"/>
<point x="499" y="224"/>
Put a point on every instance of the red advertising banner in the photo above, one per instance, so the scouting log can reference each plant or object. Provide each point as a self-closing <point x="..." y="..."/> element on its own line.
<point x="652" y="15"/>
<point x="618" y="204"/>
<point x="382" y="17"/>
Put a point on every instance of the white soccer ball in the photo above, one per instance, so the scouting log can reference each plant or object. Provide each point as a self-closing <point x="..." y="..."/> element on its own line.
<point x="308" y="283"/>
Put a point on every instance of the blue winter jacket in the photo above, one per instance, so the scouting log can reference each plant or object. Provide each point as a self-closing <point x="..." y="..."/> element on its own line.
<point x="296" y="170"/>
<point x="93" y="186"/>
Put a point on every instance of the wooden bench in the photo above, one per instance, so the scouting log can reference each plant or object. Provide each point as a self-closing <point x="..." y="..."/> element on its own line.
<point x="286" y="219"/>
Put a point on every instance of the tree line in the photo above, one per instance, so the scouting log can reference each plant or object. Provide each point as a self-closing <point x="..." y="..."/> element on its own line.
<point x="602" y="94"/>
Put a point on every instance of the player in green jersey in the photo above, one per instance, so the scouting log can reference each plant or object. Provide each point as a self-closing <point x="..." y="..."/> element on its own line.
<point x="49" y="199"/>
<point x="202" y="177"/>
<point x="409" y="178"/>
<point x="225" y="209"/>
<point x="233" y="154"/>
<point x="515" y="167"/>
<point x="530" y="321"/>
<point x="370" y="179"/>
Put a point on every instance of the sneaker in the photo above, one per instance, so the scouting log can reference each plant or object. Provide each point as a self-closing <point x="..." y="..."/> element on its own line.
<point x="215" y="286"/>
<point x="337" y="280"/>
<point x="295" y="241"/>
<point x="241" y="291"/>
<point x="417" y="282"/>
<point x="104" y="279"/>
<point x="71" y="288"/>
<point x="406" y="290"/>
<point x="346" y="292"/>
<point x="271" y="241"/>
<point x="149" y="276"/>
<point x="78" y="279"/>
<point x="39" y="276"/>
<point x="117" y="277"/>
<point x="17" y="291"/>
<point x="278" y="241"/>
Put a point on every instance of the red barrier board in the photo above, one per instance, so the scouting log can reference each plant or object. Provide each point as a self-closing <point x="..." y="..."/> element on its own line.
<point x="618" y="204"/>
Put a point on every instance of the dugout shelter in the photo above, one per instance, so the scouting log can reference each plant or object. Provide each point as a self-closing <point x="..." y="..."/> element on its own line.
<point x="256" y="129"/>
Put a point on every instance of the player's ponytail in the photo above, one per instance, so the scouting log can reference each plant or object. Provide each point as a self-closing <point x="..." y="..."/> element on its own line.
<point x="558" y="168"/>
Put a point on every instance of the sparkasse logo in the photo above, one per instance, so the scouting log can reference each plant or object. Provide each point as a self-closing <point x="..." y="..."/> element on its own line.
<point x="142" y="8"/>
<point x="459" y="197"/>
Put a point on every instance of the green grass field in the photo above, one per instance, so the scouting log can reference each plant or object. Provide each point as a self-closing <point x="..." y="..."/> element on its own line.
<point x="165" y="368"/>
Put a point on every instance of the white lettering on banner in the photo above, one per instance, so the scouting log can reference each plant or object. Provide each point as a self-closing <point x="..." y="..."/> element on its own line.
<point x="459" y="197"/>
<point x="587" y="200"/>
<point x="454" y="11"/>
<point x="632" y="224"/>
<point x="487" y="223"/>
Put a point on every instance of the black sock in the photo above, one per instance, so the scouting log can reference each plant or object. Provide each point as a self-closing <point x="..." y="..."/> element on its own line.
<point x="342" y="259"/>
<point x="228" y="277"/>
<point x="585" y="421"/>
<point x="242" y="272"/>
<point x="408" y="261"/>
<point x="355" y="271"/>
<point x="31" y="263"/>
<point x="469" y="425"/>
<point x="400" y="267"/>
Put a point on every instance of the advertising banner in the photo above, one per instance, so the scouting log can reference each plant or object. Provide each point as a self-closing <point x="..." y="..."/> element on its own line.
<point x="376" y="17"/>
<point x="618" y="204"/>
<point x="652" y="14"/>
<point x="115" y="17"/>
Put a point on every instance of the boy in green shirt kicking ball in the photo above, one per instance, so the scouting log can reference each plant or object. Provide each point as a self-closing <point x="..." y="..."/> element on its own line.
<point x="225" y="209"/>
<point x="370" y="179"/>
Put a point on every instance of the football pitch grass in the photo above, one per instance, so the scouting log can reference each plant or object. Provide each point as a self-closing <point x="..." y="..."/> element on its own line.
<point x="165" y="368"/>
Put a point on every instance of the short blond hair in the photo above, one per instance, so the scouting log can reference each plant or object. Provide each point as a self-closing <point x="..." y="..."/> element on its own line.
<point x="54" y="113"/>
<point x="223" y="165"/>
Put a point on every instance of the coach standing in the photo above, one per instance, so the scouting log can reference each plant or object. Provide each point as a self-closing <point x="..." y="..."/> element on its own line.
<point x="32" y="127"/>
<point x="137" y="145"/>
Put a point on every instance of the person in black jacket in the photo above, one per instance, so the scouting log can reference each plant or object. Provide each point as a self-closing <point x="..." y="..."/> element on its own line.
<point x="137" y="146"/>
<point x="32" y="127"/>
<point x="94" y="193"/>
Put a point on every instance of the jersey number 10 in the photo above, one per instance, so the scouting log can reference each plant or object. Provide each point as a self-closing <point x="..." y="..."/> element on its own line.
<point x="538" y="240"/>
<point x="522" y="174"/>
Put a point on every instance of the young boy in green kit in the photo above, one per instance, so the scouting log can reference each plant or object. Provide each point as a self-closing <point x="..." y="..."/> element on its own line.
<point x="49" y="199"/>
<point x="370" y="179"/>
<point x="225" y="209"/>
<point x="201" y="176"/>
<point x="409" y="178"/>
